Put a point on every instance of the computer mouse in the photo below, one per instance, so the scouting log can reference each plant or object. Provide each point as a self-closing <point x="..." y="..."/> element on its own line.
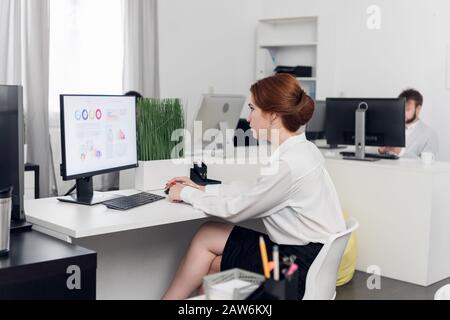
<point x="167" y="191"/>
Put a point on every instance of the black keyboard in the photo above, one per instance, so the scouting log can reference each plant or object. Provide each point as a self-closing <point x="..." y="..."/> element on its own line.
<point x="133" y="201"/>
<point x="388" y="156"/>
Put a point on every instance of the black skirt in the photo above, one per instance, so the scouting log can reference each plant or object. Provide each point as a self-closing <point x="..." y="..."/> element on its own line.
<point x="242" y="251"/>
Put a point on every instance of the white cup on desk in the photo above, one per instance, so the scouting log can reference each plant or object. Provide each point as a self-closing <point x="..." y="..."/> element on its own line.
<point x="427" y="157"/>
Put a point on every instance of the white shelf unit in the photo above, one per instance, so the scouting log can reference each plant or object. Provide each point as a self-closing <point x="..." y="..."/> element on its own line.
<point x="290" y="41"/>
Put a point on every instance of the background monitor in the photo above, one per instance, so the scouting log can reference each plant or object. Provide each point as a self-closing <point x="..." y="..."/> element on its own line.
<point x="315" y="129"/>
<point x="385" y="121"/>
<point x="98" y="135"/>
<point x="217" y="108"/>
<point x="219" y="111"/>
<point x="12" y="165"/>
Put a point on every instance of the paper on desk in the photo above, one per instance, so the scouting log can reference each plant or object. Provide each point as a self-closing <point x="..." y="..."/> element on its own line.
<point x="225" y="290"/>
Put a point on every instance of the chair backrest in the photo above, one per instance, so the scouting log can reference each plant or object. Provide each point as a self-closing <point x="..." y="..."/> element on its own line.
<point x="443" y="293"/>
<point x="322" y="275"/>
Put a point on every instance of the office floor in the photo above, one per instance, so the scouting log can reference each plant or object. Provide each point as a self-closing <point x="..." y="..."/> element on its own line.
<point x="390" y="289"/>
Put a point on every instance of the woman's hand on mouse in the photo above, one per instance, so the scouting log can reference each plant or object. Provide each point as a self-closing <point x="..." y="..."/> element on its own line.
<point x="184" y="181"/>
<point x="175" y="192"/>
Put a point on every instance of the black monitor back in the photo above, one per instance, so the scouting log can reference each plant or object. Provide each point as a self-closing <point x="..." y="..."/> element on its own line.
<point x="385" y="121"/>
<point x="11" y="143"/>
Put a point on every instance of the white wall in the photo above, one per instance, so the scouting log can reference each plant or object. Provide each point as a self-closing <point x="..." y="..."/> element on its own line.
<point x="409" y="50"/>
<point x="204" y="44"/>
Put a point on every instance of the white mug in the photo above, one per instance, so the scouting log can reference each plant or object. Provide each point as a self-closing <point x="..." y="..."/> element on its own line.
<point x="427" y="157"/>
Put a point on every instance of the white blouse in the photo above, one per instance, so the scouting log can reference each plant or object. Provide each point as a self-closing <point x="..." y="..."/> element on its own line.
<point x="297" y="201"/>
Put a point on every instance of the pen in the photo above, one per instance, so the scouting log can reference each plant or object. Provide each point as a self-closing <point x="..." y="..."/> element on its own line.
<point x="265" y="260"/>
<point x="292" y="269"/>
<point x="276" y="268"/>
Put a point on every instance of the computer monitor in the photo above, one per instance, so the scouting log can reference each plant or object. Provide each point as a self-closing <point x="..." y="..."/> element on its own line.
<point x="11" y="143"/>
<point x="382" y="121"/>
<point x="315" y="129"/>
<point x="98" y="135"/>
<point x="220" y="112"/>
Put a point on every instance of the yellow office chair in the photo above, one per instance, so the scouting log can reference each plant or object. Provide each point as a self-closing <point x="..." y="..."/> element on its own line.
<point x="348" y="262"/>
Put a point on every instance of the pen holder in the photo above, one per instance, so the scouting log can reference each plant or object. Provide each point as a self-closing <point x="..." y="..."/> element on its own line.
<point x="285" y="289"/>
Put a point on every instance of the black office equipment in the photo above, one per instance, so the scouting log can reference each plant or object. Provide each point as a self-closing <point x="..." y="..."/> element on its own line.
<point x="296" y="71"/>
<point x="11" y="143"/>
<point x="133" y="201"/>
<point x="285" y="289"/>
<point x="243" y="135"/>
<point x="361" y="122"/>
<point x="40" y="267"/>
<point x="199" y="175"/>
<point x="98" y="135"/>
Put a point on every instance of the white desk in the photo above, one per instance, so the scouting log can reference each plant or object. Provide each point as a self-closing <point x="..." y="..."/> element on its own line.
<point x="68" y="221"/>
<point x="402" y="207"/>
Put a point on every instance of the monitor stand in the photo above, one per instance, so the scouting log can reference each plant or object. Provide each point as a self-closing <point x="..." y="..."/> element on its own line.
<point x="228" y="139"/>
<point x="85" y="194"/>
<point x="360" y="135"/>
<point x="17" y="226"/>
<point x="225" y="147"/>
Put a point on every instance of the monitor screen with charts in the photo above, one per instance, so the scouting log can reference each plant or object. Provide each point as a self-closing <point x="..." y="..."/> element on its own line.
<point x="98" y="135"/>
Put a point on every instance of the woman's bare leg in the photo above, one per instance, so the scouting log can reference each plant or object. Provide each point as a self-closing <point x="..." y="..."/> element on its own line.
<point x="215" y="265"/>
<point x="207" y="244"/>
<point x="214" y="268"/>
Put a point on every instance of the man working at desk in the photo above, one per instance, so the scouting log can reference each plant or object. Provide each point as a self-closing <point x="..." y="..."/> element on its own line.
<point x="419" y="137"/>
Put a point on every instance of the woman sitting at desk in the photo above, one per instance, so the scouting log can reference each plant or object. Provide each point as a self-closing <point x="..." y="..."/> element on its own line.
<point x="297" y="202"/>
